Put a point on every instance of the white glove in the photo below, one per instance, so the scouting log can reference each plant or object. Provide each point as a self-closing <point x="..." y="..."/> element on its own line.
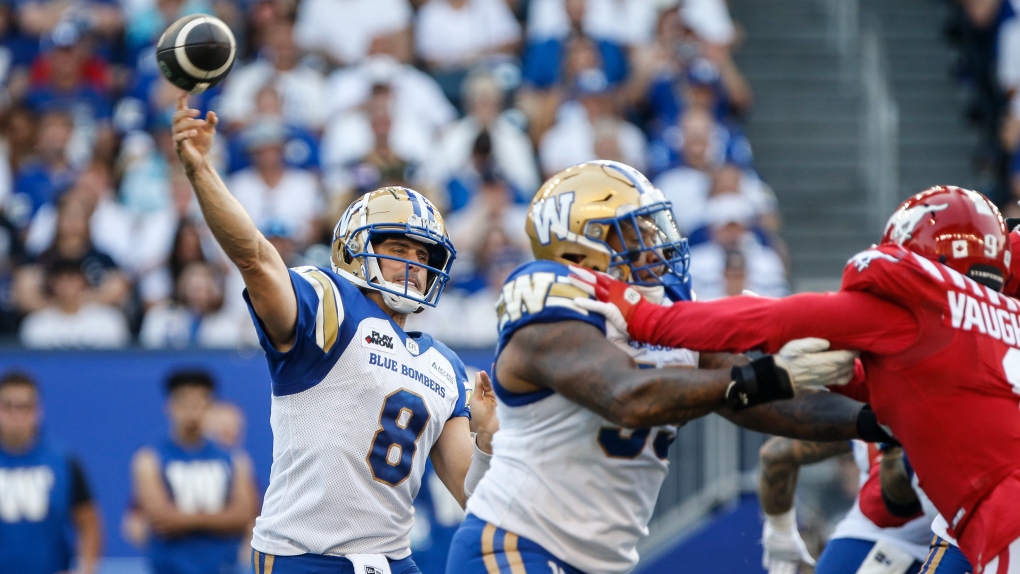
<point x="809" y="364"/>
<point x="585" y="280"/>
<point x="783" y="548"/>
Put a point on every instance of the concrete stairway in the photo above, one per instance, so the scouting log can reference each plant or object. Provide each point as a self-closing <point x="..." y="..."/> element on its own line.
<point x="807" y="121"/>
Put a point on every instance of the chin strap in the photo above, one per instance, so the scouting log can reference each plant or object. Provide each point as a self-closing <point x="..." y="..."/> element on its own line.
<point x="398" y="303"/>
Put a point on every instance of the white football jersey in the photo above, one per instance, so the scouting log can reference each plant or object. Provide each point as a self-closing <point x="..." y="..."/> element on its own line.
<point x="357" y="405"/>
<point x="868" y="519"/>
<point x="561" y="475"/>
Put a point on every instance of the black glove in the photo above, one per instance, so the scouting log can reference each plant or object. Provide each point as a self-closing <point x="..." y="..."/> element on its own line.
<point x="757" y="382"/>
<point x="870" y="430"/>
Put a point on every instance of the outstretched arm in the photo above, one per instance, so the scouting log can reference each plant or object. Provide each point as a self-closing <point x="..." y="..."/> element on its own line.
<point x="576" y="360"/>
<point x="815" y="415"/>
<point x="849" y="320"/>
<point x="263" y="270"/>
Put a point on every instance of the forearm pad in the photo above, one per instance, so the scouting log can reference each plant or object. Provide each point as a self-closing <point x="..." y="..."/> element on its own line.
<point x="479" y="466"/>
<point x="869" y="429"/>
<point x="757" y="382"/>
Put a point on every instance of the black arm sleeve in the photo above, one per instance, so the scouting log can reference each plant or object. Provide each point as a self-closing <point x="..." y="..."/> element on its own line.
<point x="80" y="491"/>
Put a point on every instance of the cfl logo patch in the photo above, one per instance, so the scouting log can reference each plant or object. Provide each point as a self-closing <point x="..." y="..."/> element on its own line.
<point x="373" y="570"/>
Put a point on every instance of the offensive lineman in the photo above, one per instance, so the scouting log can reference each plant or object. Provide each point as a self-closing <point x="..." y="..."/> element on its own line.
<point x="939" y="343"/>
<point x="584" y="430"/>
<point x="357" y="403"/>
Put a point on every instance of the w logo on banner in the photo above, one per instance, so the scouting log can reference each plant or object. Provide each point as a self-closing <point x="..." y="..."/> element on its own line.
<point x="552" y="215"/>
<point x="25" y="493"/>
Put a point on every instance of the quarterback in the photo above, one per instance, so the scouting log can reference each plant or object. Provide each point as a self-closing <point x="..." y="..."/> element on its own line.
<point x="940" y="345"/>
<point x="587" y="415"/>
<point x="358" y="404"/>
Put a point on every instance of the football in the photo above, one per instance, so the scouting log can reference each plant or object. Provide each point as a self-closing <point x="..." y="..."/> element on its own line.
<point x="196" y="52"/>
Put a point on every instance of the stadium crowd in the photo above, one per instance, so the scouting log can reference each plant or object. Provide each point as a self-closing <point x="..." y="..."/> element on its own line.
<point x="471" y="102"/>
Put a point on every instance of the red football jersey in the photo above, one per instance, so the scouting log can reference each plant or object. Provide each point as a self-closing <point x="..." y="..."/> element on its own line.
<point x="942" y="356"/>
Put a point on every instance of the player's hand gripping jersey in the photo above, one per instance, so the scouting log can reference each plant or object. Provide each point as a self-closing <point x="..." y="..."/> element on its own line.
<point x="594" y="520"/>
<point x="943" y="365"/>
<point x="357" y="405"/>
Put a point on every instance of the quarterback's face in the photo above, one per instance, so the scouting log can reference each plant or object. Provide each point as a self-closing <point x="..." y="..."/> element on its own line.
<point x="397" y="271"/>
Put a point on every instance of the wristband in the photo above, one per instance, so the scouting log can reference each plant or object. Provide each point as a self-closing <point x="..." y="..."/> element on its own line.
<point x="785" y="522"/>
<point x="870" y="430"/>
<point x="757" y="382"/>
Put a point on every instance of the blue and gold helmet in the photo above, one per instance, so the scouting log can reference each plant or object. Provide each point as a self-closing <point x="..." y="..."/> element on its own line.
<point x="393" y="211"/>
<point x="606" y="216"/>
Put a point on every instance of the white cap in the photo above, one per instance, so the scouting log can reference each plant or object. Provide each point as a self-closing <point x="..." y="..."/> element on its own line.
<point x="709" y="19"/>
<point x="727" y="208"/>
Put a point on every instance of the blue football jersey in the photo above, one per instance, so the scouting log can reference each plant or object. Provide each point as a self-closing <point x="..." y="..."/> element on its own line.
<point x="357" y="405"/>
<point x="562" y="476"/>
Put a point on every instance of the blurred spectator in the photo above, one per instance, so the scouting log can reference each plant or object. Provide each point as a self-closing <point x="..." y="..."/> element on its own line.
<point x="12" y="255"/>
<point x="496" y="258"/>
<point x="198" y="497"/>
<point x="20" y="126"/>
<point x="717" y="142"/>
<point x="298" y="86"/>
<point x="224" y="424"/>
<point x="144" y="172"/>
<point x="622" y="23"/>
<point x="301" y="148"/>
<point x="730" y="179"/>
<point x="105" y="284"/>
<point x="491" y="210"/>
<point x="147" y="19"/>
<point x="39" y="17"/>
<point x="269" y="190"/>
<point x="709" y="20"/>
<point x="157" y="284"/>
<point x="69" y="76"/>
<point x="390" y="153"/>
<point x="734" y="257"/>
<point x="110" y="224"/>
<point x="45" y="493"/>
<point x="452" y="36"/>
<point x="590" y="120"/>
<point x="544" y="81"/>
<point x="345" y="32"/>
<point x="17" y="51"/>
<point x="196" y="315"/>
<point x="43" y="177"/>
<point x="417" y="106"/>
<point x="70" y="319"/>
<point x="486" y="139"/>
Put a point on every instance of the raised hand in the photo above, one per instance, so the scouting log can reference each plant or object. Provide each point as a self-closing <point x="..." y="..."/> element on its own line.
<point x="483" y="411"/>
<point x="193" y="137"/>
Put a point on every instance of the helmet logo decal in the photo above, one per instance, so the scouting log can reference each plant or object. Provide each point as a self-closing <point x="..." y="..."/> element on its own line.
<point x="433" y="226"/>
<point x="902" y="224"/>
<point x="552" y="216"/>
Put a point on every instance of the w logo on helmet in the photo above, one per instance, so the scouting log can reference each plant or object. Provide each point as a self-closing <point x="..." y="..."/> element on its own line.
<point x="902" y="224"/>
<point x="552" y="215"/>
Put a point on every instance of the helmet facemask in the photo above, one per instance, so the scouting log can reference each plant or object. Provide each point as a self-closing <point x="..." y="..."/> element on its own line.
<point x="356" y="256"/>
<point x="646" y="249"/>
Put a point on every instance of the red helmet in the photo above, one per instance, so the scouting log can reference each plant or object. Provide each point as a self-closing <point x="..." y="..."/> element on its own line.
<point x="957" y="227"/>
